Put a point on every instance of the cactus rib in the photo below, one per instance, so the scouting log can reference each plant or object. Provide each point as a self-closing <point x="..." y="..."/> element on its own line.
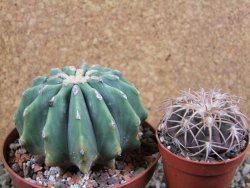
<point x="80" y="117"/>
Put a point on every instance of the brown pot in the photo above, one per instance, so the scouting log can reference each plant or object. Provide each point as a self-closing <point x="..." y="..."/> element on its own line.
<point x="180" y="172"/>
<point x="136" y="182"/>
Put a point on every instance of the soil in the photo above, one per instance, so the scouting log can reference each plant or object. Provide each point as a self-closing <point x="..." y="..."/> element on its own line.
<point x="127" y="166"/>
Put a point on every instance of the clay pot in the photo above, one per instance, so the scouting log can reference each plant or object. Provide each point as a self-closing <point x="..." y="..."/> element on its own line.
<point x="180" y="172"/>
<point x="136" y="182"/>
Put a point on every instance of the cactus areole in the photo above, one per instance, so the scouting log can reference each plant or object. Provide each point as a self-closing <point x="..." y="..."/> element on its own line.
<point x="204" y="125"/>
<point x="80" y="117"/>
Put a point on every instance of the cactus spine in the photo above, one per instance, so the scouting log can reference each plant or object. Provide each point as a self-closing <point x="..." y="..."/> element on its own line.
<point x="80" y="117"/>
<point x="205" y="124"/>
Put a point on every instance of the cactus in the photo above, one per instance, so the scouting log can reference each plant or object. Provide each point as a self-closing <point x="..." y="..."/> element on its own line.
<point x="80" y="117"/>
<point x="208" y="125"/>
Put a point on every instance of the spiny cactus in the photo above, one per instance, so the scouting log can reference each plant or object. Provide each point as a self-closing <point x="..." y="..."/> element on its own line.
<point x="80" y="116"/>
<point x="205" y="124"/>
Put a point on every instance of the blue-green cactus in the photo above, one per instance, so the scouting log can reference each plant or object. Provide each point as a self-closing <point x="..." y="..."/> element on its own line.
<point x="80" y="117"/>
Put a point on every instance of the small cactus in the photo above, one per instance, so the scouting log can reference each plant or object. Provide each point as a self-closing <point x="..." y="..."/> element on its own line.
<point x="205" y="124"/>
<point x="80" y="117"/>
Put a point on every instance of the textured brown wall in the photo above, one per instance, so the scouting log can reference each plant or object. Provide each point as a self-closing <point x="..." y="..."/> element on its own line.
<point x="163" y="47"/>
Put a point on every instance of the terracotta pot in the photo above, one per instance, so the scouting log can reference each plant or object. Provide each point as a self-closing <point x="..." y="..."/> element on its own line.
<point x="136" y="182"/>
<point x="180" y="172"/>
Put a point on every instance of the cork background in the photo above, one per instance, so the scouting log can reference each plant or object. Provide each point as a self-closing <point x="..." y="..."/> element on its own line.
<point x="163" y="47"/>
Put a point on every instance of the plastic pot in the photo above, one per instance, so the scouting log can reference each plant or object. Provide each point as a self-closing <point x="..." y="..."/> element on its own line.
<point x="136" y="182"/>
<point x="180" y="172"/>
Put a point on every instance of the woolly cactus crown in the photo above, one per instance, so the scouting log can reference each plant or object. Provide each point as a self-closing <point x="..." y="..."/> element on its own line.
<point x="80" y="116"/>
<point x="205" y="124"/>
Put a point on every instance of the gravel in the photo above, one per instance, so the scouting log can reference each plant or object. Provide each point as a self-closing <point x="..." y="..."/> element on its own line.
<point x="126" y="166"/>
<point x="241" y="178"/>
<point x="28" y="166"/>
<point x="5" y="181"/>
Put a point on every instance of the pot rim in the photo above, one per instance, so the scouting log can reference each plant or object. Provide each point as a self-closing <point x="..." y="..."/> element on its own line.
<point x="13" y="132"/>
<point x="203" y="162"/>
<point x="4" y="148"/>
<point x="150" y="166"/>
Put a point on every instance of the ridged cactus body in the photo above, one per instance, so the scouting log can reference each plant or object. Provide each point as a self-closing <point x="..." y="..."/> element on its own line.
<point x="205" y="124"/>
<point x="80" y="116"/>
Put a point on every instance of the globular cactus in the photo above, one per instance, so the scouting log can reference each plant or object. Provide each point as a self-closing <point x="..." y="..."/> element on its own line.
<point x="205" y="124"/>
<point x="80" y="117"/>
